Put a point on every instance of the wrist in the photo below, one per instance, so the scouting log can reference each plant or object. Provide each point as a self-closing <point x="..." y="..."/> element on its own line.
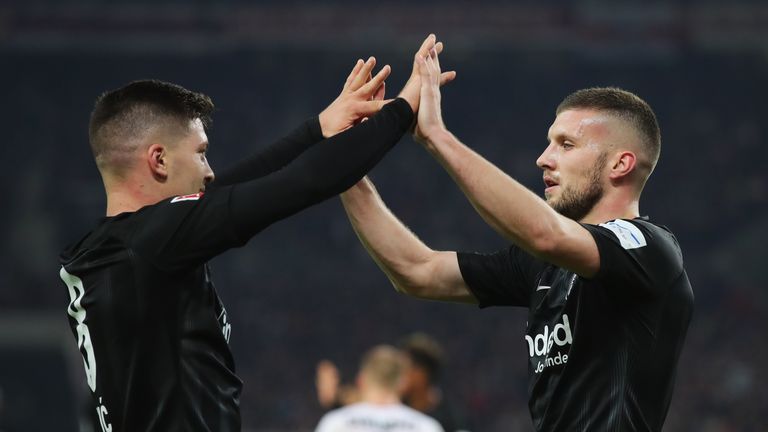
<point x="322" y="120"/>
<point x="436" y="135"/>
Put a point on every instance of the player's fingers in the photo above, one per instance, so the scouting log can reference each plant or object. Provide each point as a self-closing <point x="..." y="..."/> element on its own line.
<point x="435" y="58"/>
<point x="433" y="71"/>
<point x="379" y="95"/>
<point x="423" y="68"/>
<point x="372" y="85"/>
<point x="354" y="72"/>
<point x="428" y="43"/>
<point x="447" y="77"/>
<point x="362" y="76"/>
<point x="439" y="47"/>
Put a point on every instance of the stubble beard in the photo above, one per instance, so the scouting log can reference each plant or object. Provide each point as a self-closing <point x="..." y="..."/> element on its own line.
<point x="577" y="203"/>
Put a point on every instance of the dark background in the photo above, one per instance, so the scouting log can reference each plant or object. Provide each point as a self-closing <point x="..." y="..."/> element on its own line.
<point x="305" y="289"/>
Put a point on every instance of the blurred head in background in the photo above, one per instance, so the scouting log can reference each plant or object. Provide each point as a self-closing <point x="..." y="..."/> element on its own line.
<point x="381" y="374"/>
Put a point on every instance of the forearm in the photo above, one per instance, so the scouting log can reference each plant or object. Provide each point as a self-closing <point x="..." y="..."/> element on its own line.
<point x="394" y="248"/>
<point x="274" y="157"/>
<point x="411" y="266"/>
<point x="505" y="204"/>
<point x="325" y="170"/>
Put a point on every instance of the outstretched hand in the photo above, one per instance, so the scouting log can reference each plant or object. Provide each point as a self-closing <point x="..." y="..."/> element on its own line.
<point x="412" y="90"/>
<point x="430" y="118"/>
<point x="361" y="97"/>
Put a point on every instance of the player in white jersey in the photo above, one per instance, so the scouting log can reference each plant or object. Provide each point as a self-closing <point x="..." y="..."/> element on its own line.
<point x="380" y="408"/>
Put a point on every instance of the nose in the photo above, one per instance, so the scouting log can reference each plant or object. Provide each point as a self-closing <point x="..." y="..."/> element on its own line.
<point x="209" y="175"/>
<point x="546" y="160"/>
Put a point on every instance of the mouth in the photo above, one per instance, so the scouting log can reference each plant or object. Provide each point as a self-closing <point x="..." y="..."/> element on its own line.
<point x="550" y="184"/>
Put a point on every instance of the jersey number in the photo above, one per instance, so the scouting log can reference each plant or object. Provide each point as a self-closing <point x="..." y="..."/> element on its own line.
<point x="76" y="311"/>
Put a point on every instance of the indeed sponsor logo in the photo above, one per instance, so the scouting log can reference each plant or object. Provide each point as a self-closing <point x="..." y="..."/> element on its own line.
<point x="542" y="344"/>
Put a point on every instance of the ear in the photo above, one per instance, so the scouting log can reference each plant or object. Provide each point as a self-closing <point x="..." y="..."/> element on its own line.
<point x="622" y="165"/>
<point x="157" y="160"/>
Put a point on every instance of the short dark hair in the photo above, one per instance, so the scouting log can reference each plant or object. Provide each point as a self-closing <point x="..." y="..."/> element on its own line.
<point x="125" y="114"/>
<point x="622" y="104"/>
<point x="425" y="353"/>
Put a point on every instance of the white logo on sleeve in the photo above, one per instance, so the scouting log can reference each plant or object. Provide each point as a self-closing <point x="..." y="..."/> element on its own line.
<point x="628" y="234"/>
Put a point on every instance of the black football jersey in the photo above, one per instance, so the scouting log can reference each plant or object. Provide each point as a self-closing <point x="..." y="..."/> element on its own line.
<point x="602" y="351"/>
<point x="149" y="324"/>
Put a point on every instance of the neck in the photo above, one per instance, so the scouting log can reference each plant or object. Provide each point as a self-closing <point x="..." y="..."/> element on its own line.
<point x="128" y="196"/>
<point x="424" y="400"/>
<point x="613" y="208"/>
<point x="379" y="396"/>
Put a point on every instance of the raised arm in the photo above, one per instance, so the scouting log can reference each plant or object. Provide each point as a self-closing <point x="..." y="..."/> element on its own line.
<point x="411" y="266"/>
<point x="509" y="207"/>
<point x="355" y="101"/>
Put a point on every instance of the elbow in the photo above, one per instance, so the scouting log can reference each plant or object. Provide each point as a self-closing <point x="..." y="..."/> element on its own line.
<point x="407" y="286"/>
<point x="546" y="242"/>
<point x="416" y="280"/>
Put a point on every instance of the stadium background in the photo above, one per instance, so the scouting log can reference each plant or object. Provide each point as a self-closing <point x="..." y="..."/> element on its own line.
<point x="305" y="289"/>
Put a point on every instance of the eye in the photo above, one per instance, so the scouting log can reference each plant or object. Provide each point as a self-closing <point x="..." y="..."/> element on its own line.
<point x="567" y="145"/>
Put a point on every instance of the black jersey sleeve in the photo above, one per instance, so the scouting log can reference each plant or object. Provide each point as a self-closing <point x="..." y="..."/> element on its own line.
<point x="636" y="256"/>
<point x="189" y="230"/>
<point x="274" y="157"/>
<point x="503" y="278"/>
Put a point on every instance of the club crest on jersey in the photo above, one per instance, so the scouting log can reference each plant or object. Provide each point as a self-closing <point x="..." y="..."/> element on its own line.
<point x="190" y="197"/>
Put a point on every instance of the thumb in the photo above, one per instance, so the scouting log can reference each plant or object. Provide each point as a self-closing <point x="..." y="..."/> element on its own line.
<point x="368" y="108"/>
<point x="447" y="77"/>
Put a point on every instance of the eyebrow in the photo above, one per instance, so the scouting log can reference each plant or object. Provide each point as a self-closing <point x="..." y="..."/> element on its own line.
<point x="561" y="137"/>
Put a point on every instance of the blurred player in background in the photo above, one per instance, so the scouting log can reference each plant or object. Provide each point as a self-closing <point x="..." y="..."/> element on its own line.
<point x="609" y="300"/>
<point x="379" y="408"/>
<point x="148" y="322"/>
<point x="420" y="387"/>
<point x="425" y="360"/>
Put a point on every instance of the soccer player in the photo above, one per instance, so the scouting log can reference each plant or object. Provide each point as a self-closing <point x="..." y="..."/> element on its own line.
<point x="421" y="390"/>
<point x="379" y="408"/>
<point x="608" y="299"/>
<point x="148" y="322"/>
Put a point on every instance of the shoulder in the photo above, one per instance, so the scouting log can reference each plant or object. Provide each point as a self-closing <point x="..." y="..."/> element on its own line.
<point x="426" y="422"/>
<point x="638" y="250"/>
<point x="637" y="233"/>
<point x="332" y="420"/>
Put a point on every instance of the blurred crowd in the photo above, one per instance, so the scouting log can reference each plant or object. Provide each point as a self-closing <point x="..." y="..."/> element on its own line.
<point x="305" y="290"/>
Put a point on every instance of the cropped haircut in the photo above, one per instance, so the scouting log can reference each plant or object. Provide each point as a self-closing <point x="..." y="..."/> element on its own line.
<point x="623" y="105"/>
<point x="383" y="365"/>
<point x="425" y="353"/>
<point x="121" y="118"/>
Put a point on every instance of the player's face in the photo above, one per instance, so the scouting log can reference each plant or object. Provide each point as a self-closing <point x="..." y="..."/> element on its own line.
<point x="574" y="162"/>
<point x="189" y="171"/>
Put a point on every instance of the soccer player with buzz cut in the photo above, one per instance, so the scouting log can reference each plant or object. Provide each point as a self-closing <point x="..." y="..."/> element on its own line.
<point x="608" y="299"/>
<point x="146" y="317"/>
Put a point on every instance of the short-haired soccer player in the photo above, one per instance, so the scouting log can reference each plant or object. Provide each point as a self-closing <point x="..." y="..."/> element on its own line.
<point x="608" y="299"/>
<point x="148" y="322"/>
<point x="379" y="409"/>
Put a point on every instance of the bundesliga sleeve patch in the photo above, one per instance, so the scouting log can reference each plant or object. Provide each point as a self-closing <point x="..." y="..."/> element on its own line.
<point x="628" y="234"/>
<point x="190" y="197"/>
